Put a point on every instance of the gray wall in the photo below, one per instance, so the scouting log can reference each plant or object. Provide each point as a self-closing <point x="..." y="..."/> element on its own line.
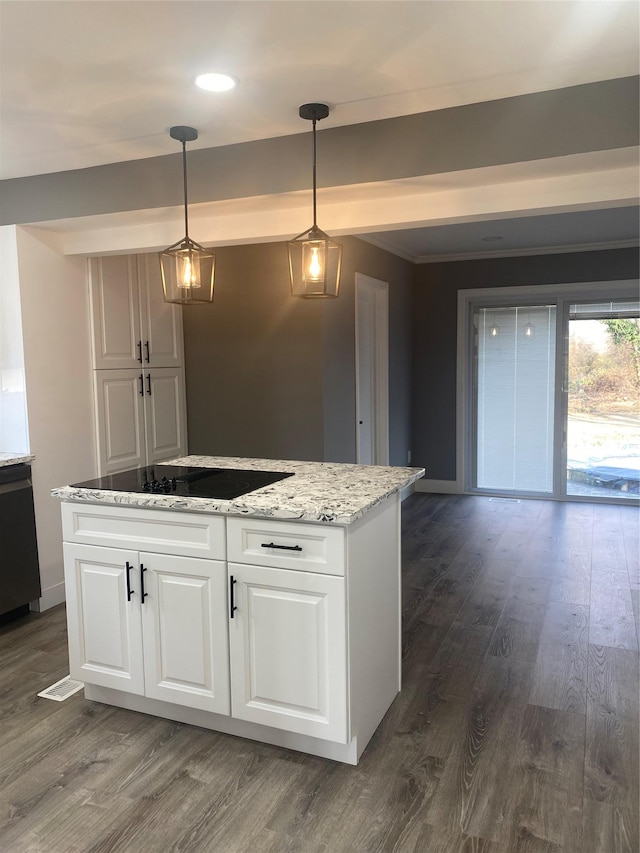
<point x="339" y="353"/>
<point x="590" y="117"/>
<point x="254" y="362"/>
<point x="435" y="295"/>
<point x="272" y="376"/>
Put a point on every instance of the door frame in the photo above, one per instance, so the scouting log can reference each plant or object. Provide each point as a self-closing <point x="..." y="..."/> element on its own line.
<point x="379" y="290"/>
<point x="561" y="296"/>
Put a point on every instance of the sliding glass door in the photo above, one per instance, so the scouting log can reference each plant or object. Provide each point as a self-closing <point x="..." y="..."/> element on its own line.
<point x="603" y="400"/>
<point x="553" y="394"/>
<point x="515" y="397"/>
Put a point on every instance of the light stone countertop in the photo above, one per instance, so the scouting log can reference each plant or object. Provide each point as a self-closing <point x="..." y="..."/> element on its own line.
<point x="14" y="458"/>
<point x="328" y="492"/>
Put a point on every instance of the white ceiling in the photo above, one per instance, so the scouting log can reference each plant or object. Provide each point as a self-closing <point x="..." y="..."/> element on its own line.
<point x="89" y="82"/>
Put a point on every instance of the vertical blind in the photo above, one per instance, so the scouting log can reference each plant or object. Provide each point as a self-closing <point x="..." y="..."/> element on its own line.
<point x="515" y="397"/>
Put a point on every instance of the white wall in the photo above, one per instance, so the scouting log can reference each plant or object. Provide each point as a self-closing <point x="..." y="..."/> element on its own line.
<point x="14" y="436"/>
<point x="55" y="322"/>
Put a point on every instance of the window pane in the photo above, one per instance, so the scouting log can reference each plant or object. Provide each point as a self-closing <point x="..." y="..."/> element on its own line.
<point x="603" y="427"/>
<point x="515" y="398"/>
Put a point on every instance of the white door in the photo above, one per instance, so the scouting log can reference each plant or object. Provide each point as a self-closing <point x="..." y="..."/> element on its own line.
<point x="161" y="329"/>
<point x="288" y="653"/>
<point x="184" y="619"/>
<point x="165" y="414"/>
<point x="103" y="616"/>
<point x="115" y="312"/>
<point x="372" y="371"/>
<point x="120" y="403"/>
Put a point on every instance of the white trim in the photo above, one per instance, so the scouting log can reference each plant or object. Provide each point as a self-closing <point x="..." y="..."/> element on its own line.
<point x="506" y="253"/>
<point x="442" y="487"/>
<point x="50" y="597"/>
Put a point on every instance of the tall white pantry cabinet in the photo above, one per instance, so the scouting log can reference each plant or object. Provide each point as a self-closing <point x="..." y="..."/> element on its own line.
<point x="138" y="361"/>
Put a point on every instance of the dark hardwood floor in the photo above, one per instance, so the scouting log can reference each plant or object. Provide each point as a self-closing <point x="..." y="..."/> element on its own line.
<point x="516" y="730"/>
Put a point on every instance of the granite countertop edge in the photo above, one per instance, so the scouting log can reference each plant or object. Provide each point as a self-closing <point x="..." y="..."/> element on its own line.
<point x="8" y="458"/>
<point x="321" y="492"/>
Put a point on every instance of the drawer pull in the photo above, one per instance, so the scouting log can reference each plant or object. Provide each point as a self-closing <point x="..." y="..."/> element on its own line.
<point x="281" y="547"/>
<point x="232" y="604"/>
<point x="129" y="590"/>
<point x="143" y="594"/>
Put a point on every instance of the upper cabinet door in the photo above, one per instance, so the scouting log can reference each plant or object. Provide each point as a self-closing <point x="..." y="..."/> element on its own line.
<point x="161" y="328"/>
<point x="115" y="312"/>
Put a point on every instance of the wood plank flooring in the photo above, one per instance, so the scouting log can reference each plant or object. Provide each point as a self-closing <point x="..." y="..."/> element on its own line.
<point x="516" y="729"/>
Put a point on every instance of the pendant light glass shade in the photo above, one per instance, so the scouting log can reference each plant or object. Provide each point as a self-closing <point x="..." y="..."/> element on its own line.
<point x="314" y="258"/>
<point x="314" y="264"/>
<point x="188" y="269"/>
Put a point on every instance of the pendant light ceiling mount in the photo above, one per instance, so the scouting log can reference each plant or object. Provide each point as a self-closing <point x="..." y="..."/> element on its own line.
<point x="183" y="134"/>
<point x="313" y="112"/>
<point x="187" y="267"/>
<point x="314" y="259"/>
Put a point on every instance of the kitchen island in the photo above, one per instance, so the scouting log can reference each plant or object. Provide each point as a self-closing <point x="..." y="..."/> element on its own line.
<point x="273" y="616"/>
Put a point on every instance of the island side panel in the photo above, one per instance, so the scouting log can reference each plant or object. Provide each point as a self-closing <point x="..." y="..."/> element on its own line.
<point x="374" y="617"/>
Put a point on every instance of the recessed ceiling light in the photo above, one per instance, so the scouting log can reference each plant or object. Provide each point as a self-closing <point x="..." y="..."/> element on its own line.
<point x="491" y="239"/>
<point x="215" y="82"/>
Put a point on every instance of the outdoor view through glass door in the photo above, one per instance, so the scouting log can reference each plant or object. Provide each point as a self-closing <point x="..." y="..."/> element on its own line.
<point x="603" y="412"/>
<point x="556" y="398"/>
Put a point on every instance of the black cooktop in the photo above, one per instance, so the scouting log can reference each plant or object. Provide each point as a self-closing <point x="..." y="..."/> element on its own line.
<point x="186" y="481"/>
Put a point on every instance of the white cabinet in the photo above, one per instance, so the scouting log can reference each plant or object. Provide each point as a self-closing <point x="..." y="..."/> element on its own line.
<point x="132" y="324"/>
<point x="140" y="417"/>
<point x="149" y="624"/>
<point x="288" y="651"/>
<point x="139" y="387"/>
<point x="279" y="631"/>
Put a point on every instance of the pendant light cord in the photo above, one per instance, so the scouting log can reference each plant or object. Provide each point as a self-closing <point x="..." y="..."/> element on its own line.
<point x="314" y="174"/>
<point x="184" y="172"/>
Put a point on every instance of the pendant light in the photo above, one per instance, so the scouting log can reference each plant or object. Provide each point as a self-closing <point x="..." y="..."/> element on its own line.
<point x="187" y="268"/>
<point x="314" y="259"/>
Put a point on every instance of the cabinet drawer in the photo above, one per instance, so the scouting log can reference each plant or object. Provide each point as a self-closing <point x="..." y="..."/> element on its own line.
<point x="286" y="545"/>
<point x="187" y="534"/>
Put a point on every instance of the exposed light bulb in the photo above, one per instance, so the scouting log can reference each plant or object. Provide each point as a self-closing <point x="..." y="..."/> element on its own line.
<point x="312" y="268"/>
<point x="528" y="330"/>
<point x="314" y="265"/>
<point x="494" y="331"/>
<point x="189" y="276"/>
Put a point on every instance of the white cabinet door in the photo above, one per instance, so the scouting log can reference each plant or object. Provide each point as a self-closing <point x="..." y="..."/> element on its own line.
<point x="115" y="312"/>
<point x="161" y="328"/>
<point x="103" y="615"/>
<point x="288" y="651"/>
<point x="140" y="417"/>
<point x="120" y="420"/>
<point x="132" y="324"/>
<point x="184" y="618"/>
<point x="165" y="414"/>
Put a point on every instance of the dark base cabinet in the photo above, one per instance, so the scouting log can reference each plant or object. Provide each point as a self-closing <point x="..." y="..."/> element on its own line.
<point x="19" y="569"/>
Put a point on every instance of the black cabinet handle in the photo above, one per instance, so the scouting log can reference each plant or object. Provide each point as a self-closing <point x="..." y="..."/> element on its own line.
<point x="147" y="357"/>
<point x="232" y="604"/>
<point x="281" y="547"/>
<point x="129" y="590"/>
<point x="149" y="383"/>
<point x="139" y="345"/>
<point x="141" y="380"/>
<point x="143" y="594"/>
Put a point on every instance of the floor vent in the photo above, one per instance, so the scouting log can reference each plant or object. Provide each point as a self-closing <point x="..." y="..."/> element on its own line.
<point x="62" y="689"/>
<point x="505" y="500"/>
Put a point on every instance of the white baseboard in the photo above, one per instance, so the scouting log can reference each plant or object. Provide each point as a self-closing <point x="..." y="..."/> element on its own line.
<point x="50" y="597"/>
<point x="441" y="487"/>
